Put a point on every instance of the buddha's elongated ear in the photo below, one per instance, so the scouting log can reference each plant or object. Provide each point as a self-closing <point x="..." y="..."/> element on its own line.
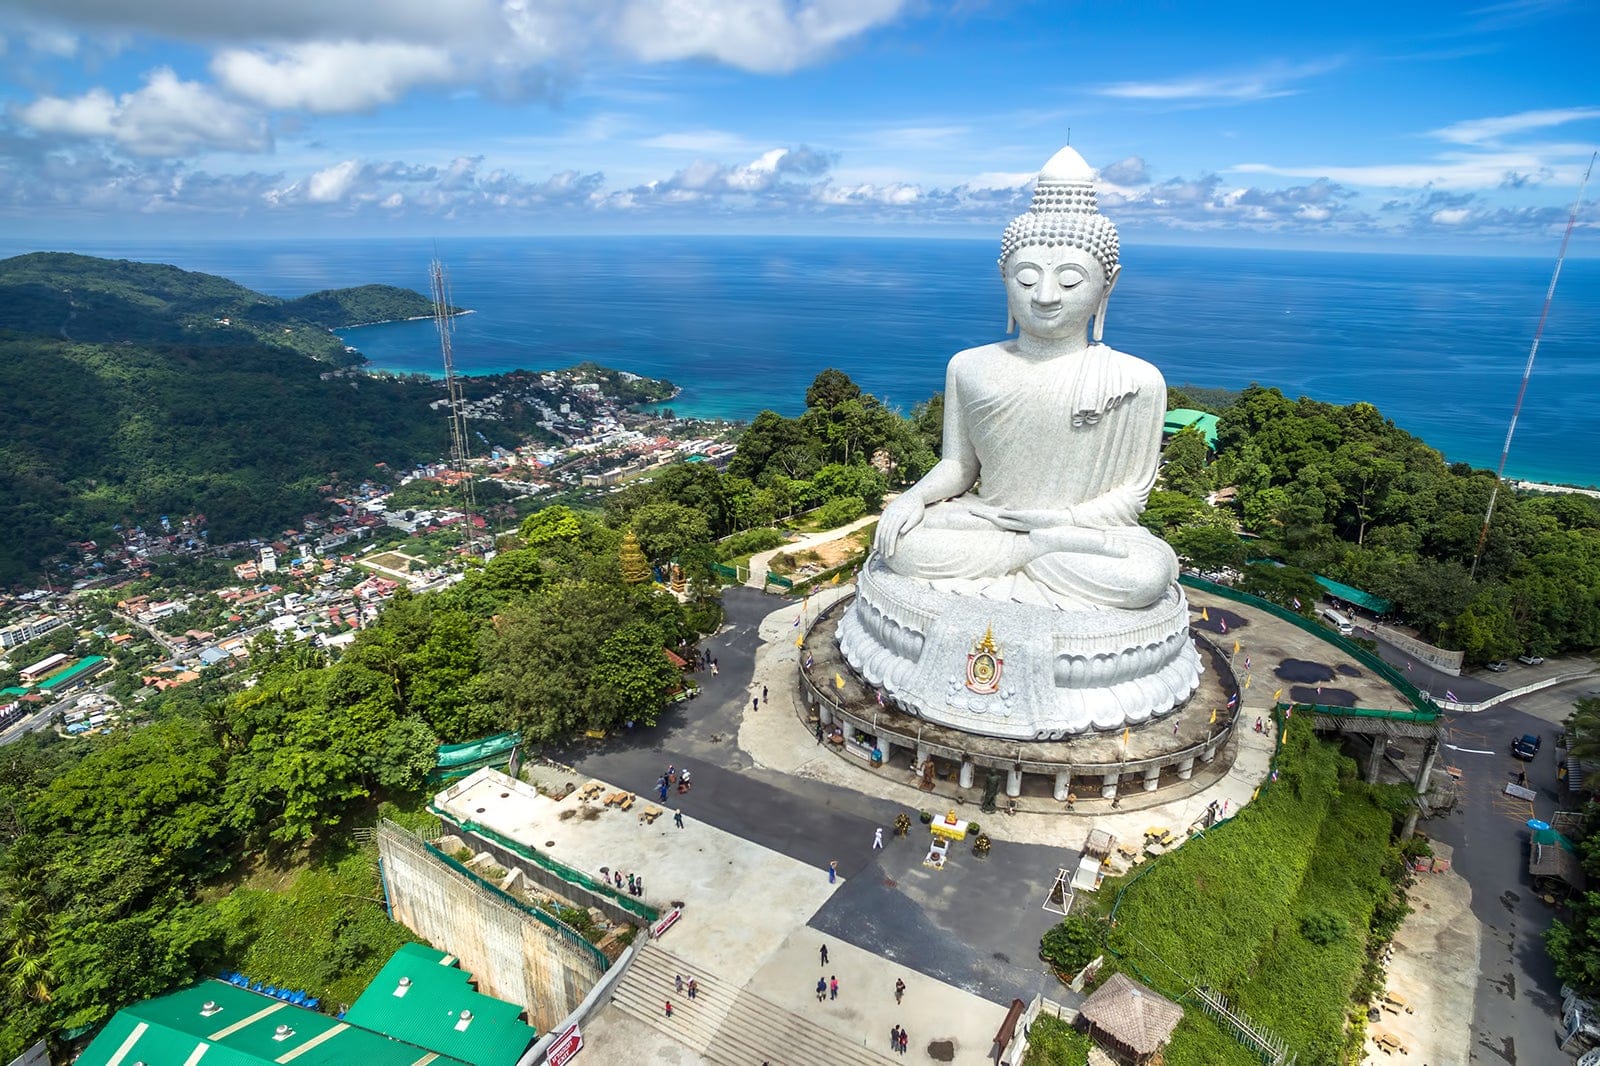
<point x="1011" y="322"/>
<point x="1105" y="298"/>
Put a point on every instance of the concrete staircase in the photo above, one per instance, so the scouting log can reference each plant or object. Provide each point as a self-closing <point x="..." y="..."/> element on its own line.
<point x="728" y="1025"/>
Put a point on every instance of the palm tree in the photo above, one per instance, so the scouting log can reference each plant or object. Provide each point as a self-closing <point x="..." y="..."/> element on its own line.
<point x="26" y="934"/>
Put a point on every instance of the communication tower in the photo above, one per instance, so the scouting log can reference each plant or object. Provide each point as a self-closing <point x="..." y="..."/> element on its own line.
<point x="444" y="322"/>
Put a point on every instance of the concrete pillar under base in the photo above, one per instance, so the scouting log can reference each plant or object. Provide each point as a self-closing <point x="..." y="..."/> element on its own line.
<point x="1425" y="771"/>
<point x="1108" y="786"/>
<point x="922" y="756"/>
<point x="1410" y="825"/>
<point x="1186" y="769"/>
<point x="1209" y="753"/>
<point x="824" y="715"/>
<point x="1063" y="785"/>
<point x="1375" y="760"/>
<point x="1013" y="783"/>
<point x="965" y="780"/>
<point x="1152" y="778"/>
<point x="888" y="749"/>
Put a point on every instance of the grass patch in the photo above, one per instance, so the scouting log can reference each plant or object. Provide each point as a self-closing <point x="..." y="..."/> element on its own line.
<point x="327" y="932"/>
<point x="1052" y="1042"/>
<point x="1274" y="908"/>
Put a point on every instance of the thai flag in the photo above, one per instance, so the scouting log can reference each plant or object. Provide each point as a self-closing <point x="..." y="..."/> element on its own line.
<point x="1274" y="775"/>
<point x="1223" y="622"/>
<point x="1247" y="663"/>
<point x="1451" y="696"/>
<point x="797" y="621"/>
<point x="880" y="697"/>
<point x="808" y="660"/>
<point x="1233" y="700"/>
<point x="1297" y="603"/>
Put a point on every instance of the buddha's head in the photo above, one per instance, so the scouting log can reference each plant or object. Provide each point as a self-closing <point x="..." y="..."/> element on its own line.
<point x="1059" y="260"/>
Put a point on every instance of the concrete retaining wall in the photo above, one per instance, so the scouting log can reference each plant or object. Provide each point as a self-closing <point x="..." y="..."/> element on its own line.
<point x="1446" y="662"/>
<point x="511" y="954"/>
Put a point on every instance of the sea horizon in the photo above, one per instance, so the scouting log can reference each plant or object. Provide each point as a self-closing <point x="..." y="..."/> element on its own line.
<point x="1437" y="342"/>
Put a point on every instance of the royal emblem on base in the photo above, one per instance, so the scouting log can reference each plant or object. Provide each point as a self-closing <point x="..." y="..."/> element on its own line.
<point x="984" y="665"/>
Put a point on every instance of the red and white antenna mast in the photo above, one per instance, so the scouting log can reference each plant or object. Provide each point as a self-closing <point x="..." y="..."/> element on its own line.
<point x="1527" y="371"/>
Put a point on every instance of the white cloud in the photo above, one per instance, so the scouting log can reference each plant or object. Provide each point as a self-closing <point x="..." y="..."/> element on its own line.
<point x="331" y="76"/>
<point x="167" y="117"/>
<point x="769" y="36"/>
<point x="1451" y="171"/>
<point x="333" y="184"/>
<point x="1450" y="216"/>
<point x="1490" y="131"/>
<point x="1263" y="84"/>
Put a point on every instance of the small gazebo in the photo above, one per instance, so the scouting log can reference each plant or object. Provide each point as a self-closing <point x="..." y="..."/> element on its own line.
<point x="1129" y="1019"/>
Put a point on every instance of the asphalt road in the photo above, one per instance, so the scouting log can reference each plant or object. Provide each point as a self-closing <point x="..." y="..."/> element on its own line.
<point x="1516" y="1011"/>
<point x="975" y="924"/>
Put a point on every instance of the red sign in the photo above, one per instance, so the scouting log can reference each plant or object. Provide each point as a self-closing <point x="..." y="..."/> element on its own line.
<point x="568" y="1044"/>
<point x="666" y="922"/>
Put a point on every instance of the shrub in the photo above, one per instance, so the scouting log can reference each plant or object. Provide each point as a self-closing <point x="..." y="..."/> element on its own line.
<point x="749" y="542"/>
<point x="926" y="816"/>
<point x="840" y="511"/>
<point x="1071" y="944"/>
<point x="1323" y="928"/>
<point x="1052" y="1041"/>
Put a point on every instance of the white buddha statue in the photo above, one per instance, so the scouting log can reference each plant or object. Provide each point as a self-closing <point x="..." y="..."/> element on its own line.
<point x="1012" y="590"/>
<point x="1051" y="441"/>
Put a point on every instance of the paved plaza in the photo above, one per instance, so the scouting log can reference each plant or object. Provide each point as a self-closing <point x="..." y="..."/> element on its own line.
<point x="771" y="807"/>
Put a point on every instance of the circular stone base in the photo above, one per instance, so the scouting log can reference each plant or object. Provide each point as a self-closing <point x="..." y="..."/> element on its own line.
<point x="1015" y="670"/>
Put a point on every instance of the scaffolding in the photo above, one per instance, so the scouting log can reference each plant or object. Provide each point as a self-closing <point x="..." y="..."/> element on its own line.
<point x="460" y="451"/>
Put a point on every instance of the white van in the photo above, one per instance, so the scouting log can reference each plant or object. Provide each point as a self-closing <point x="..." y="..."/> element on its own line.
<point x="1338" y="621"/>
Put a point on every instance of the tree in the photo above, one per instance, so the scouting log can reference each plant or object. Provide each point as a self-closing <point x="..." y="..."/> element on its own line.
<point x="830" y="389"/>
<point x="630" y="678"/>
<point x="667" y="530"/>
<point x="1186" y="456"/>
<point x="555" y="523"/>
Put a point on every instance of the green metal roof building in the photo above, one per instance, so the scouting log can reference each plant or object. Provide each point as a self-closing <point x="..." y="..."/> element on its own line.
<point x="422" y="996"/>
<point x="75" y="674"/>
<point x="219" y="1024"/>
<point x="1183" y="417"/>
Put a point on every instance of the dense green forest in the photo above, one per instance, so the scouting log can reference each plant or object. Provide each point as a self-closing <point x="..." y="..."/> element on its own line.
<point x="1343" y="492"/>
<point x="128" y="399"/>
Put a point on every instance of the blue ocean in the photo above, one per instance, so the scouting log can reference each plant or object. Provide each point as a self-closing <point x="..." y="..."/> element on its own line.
<point x="1437" y="343"/>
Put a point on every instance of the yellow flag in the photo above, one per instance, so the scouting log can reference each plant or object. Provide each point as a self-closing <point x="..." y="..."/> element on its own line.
<point x="835" y="580"/>
<point x="1246" y="680"/>
<point x="800" y="641"/>
<point x="1213" y="716"/>
<point x="838" y="681"/>
<point x="1124" y="735"/>
<point x="1205" y="614"/>
<point x="1278" y="695"/>
<point x="1254" y="794"/>
<point x="1236" y="647"/>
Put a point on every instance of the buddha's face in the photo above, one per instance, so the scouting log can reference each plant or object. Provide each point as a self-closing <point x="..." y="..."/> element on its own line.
<point x="1053" y="291"/>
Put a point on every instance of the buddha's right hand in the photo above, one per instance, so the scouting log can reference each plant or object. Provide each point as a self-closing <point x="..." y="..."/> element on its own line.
<point x="899" y="518"/>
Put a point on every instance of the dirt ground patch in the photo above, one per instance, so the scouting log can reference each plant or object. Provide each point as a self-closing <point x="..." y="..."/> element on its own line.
<point x="392" y="561"/>
<point x="1435" y="969"/>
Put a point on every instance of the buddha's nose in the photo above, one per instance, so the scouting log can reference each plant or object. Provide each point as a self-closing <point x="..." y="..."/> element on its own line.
<point x="1048" y="291"/>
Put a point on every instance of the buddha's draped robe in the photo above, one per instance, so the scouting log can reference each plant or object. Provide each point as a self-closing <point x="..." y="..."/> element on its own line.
<point x="1077" y="434"/>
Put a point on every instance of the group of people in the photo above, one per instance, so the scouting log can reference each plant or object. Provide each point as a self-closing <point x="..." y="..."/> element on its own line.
<point x="635" y="882"/>
<point x="898" y="1040"/>
<point x="673" y="778"/>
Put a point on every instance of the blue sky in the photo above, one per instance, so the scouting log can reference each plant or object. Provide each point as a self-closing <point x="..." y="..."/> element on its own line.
<point x="1405" y="126"/>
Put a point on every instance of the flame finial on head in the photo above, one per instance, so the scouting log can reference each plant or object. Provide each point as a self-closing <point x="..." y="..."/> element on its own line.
<point x="1064" y="212"/>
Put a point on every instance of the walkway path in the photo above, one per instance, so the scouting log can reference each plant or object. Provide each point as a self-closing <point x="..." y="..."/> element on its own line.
<point x="759" y="561"/>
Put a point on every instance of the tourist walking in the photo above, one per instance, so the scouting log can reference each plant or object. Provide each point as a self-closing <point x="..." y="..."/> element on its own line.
<point x="894" y="1039"/>
<point x="764" y="694"/>
<point x="833" y="871"/>
<point x="824" y="954"/>
<point x="755" y="703"/>
<point x="677" y="817"/>
<point x="661" y="789"/>
<point x="694" y="988"/>
<point x="877" y="838"/>
<point x="822" y="990"/>
<point x="669" y="1008"/>
<point x="899" y="989"/>
<point x="630" y="884"/>
<point x="819" y="731"/>
<point x="833" y="987"/>
<point x="677" y="982"/>
<point x="904" y="1040"/>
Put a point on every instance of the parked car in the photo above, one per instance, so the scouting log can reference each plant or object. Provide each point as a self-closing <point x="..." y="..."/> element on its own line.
<point x="1500" y="666"/>
<point x="1531" y="660"/>
<point x="1526" y="747"/>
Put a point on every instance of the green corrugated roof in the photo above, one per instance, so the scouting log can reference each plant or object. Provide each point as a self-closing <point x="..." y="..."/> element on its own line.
<point x="1375" y="604"/>
<point x="1179" y="417"/>
<point x="429" y="1011"/>
<point x="89" y="662"/>
<point x="176" y="1029"/>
